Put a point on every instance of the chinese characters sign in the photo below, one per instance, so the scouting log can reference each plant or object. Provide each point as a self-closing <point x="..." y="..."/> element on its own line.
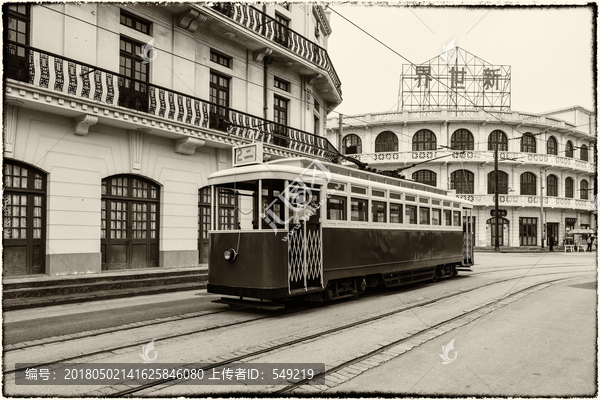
<point x="455" y="80"/>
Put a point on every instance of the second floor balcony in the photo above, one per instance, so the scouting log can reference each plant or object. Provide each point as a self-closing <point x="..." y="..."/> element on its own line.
<point x="52" y="83"/>
<point x="478" y="156"/>
<point x="514" y="200"/>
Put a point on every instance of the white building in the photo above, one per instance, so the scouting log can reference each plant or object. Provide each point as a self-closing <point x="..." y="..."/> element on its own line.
<point x="108" y="143"/>
<point x="535" y="151"/>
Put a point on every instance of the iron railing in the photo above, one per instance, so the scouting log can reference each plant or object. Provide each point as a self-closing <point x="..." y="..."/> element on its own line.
<point x="70" y="77"/>
<point x="270" y="28"/>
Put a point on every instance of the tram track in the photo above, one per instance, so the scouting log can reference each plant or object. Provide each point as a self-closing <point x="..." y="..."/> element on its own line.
<point x="281" y="346"/>
<point x="174" y="319"/>
<point x="437" y="330"/>
<point x="135" y="346"/>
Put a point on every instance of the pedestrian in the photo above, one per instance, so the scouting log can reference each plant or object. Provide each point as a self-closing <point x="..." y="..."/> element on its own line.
<point x="589" y="243"/>
<point x="551" y="243"/>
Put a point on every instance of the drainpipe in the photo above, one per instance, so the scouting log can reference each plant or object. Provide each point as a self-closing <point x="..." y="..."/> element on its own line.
<point x="265" y="91"/>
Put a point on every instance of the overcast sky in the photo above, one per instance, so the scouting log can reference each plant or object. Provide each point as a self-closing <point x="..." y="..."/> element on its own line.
<point x="549" y="49"/>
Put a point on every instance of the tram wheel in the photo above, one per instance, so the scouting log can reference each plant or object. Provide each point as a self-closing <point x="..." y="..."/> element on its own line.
<point x="454" y="270"/>
<point x="436" y="275"/>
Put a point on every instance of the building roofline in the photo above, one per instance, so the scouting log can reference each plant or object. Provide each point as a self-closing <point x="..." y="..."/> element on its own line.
<point x="576" y="107"/>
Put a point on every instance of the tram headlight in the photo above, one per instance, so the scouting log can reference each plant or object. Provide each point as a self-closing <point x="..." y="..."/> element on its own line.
<point x="230" y="254"/>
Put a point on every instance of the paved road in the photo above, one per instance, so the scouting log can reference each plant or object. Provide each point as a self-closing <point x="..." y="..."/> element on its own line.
<point x="542" y="344"/>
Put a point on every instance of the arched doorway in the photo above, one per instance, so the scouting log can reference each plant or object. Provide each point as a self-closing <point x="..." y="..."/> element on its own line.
<point x="502" y="231"/>
<point x="23" y="219"/>
<point x="130" y="222"/>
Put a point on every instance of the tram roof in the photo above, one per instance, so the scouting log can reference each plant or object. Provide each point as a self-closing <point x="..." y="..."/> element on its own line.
<point x="293" y="168"/>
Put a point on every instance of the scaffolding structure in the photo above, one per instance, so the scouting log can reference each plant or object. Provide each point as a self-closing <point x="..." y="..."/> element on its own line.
<point x="455" y="80"/>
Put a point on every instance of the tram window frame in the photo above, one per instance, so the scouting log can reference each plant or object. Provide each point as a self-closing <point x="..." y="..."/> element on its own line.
<point x="447" y="217"/>
<point x="395" y="196"/>
<point x="446" y="204"/>
<point x="399" y="215"/>
<point x="435" y="202"/>
<point x="375" y="207"/>
<point x="358" y="190"/>
<point x="378" y="193"/>
<point x="365" y="211"/>
<point x="411" y="198"/>
<point x="424" y="200"/>
<point x="424" y="211"/>
<point x="456" y="218"/>
<point x="435" y="211"/>
<point x="342" y="208"/>
<point x="411" y="214"/>
<point x="334" y="186"/>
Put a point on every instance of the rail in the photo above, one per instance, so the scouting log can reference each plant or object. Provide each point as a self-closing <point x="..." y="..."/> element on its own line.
<point x="70" y="77"/>
<point x="268" y="27"/>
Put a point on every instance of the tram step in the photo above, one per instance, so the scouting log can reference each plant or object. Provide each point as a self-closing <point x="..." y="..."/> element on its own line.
<point x="64" y="287"/>
<point x="34" y="302"/>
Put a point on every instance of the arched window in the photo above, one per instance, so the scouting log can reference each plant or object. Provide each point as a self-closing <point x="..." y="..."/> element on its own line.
<point x="528" y="143"/>
<point x="499" y="137"/>
<point x="584" y="153"/>
<point x="552" y="146"/>
<point x="424" y="140"/>
<point x="351" y="144"/>
<point x="502" y="182"/>
<point x="425" y="176"/>
<point x="569" y="188"/>
<point x="551" y="185"/>
<point x="24" y="219"/>
<point x="130" y="222"/>
<point x="386" y="141"/>
<point x="583" y="189"/>
<point x="569" y="149"/>
<point x="528" y="184"/>
<point x="462" y="139"/>
<point x="462" y="181"/>
<point x="204" y="196"/>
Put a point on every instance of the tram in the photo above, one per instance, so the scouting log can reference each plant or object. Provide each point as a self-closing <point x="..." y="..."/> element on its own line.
<point x="319" y="231"/>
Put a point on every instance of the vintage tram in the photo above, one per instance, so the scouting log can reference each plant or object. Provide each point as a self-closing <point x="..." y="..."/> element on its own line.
<point x="319" y="231"/>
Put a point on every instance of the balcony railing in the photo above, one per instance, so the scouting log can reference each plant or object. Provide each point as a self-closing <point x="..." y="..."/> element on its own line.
<point x="529" y="201"/>
<point x="476" y="155"/>
<point x="270" y="28"/>
<point x="63" y="75"/>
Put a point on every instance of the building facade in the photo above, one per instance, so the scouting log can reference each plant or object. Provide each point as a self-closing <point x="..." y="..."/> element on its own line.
<point x="115" y="115"/>
<point x="546" y="164"/>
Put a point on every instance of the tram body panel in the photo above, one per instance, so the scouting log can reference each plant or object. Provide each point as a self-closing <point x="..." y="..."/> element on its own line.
<point x="260" y="267"/>
<point x="350" y="252"/>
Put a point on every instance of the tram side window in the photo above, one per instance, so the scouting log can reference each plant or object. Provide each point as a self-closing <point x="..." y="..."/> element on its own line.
<point x="379" y="212"/>
<point x="396" y="213"/>
<point x="336" y="208"/>
<point x="436" y="217"/>
<point x="457" y="218"/>
<point x="447" y="217"/>
<point x="411" y="214"/>
<point x="358" y="209"/>
<point x="424" y="215"/>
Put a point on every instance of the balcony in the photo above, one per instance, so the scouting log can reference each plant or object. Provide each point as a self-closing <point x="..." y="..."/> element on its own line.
<point x="269" y="28"/>
<point x="133" y="103"/>
<point x="479" y="156"/>
<point x="513" y="200"/>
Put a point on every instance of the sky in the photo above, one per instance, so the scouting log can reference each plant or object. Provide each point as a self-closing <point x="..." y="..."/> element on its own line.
<point x="549" y="49"/>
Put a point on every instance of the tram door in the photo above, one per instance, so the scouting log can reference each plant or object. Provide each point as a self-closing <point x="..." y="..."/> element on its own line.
<point x="468" y="238"/>
<point x="305" y="252"/>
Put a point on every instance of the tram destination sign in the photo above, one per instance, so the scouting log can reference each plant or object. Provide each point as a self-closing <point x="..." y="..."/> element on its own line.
<point x="248" y="154"/>
<point x="455" y="80"/>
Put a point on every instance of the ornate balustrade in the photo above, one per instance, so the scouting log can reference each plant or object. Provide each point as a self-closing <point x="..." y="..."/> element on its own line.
<point x="268" y="27"/>
<point x="72" y="78"/>
<point x="505" y="200"/>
